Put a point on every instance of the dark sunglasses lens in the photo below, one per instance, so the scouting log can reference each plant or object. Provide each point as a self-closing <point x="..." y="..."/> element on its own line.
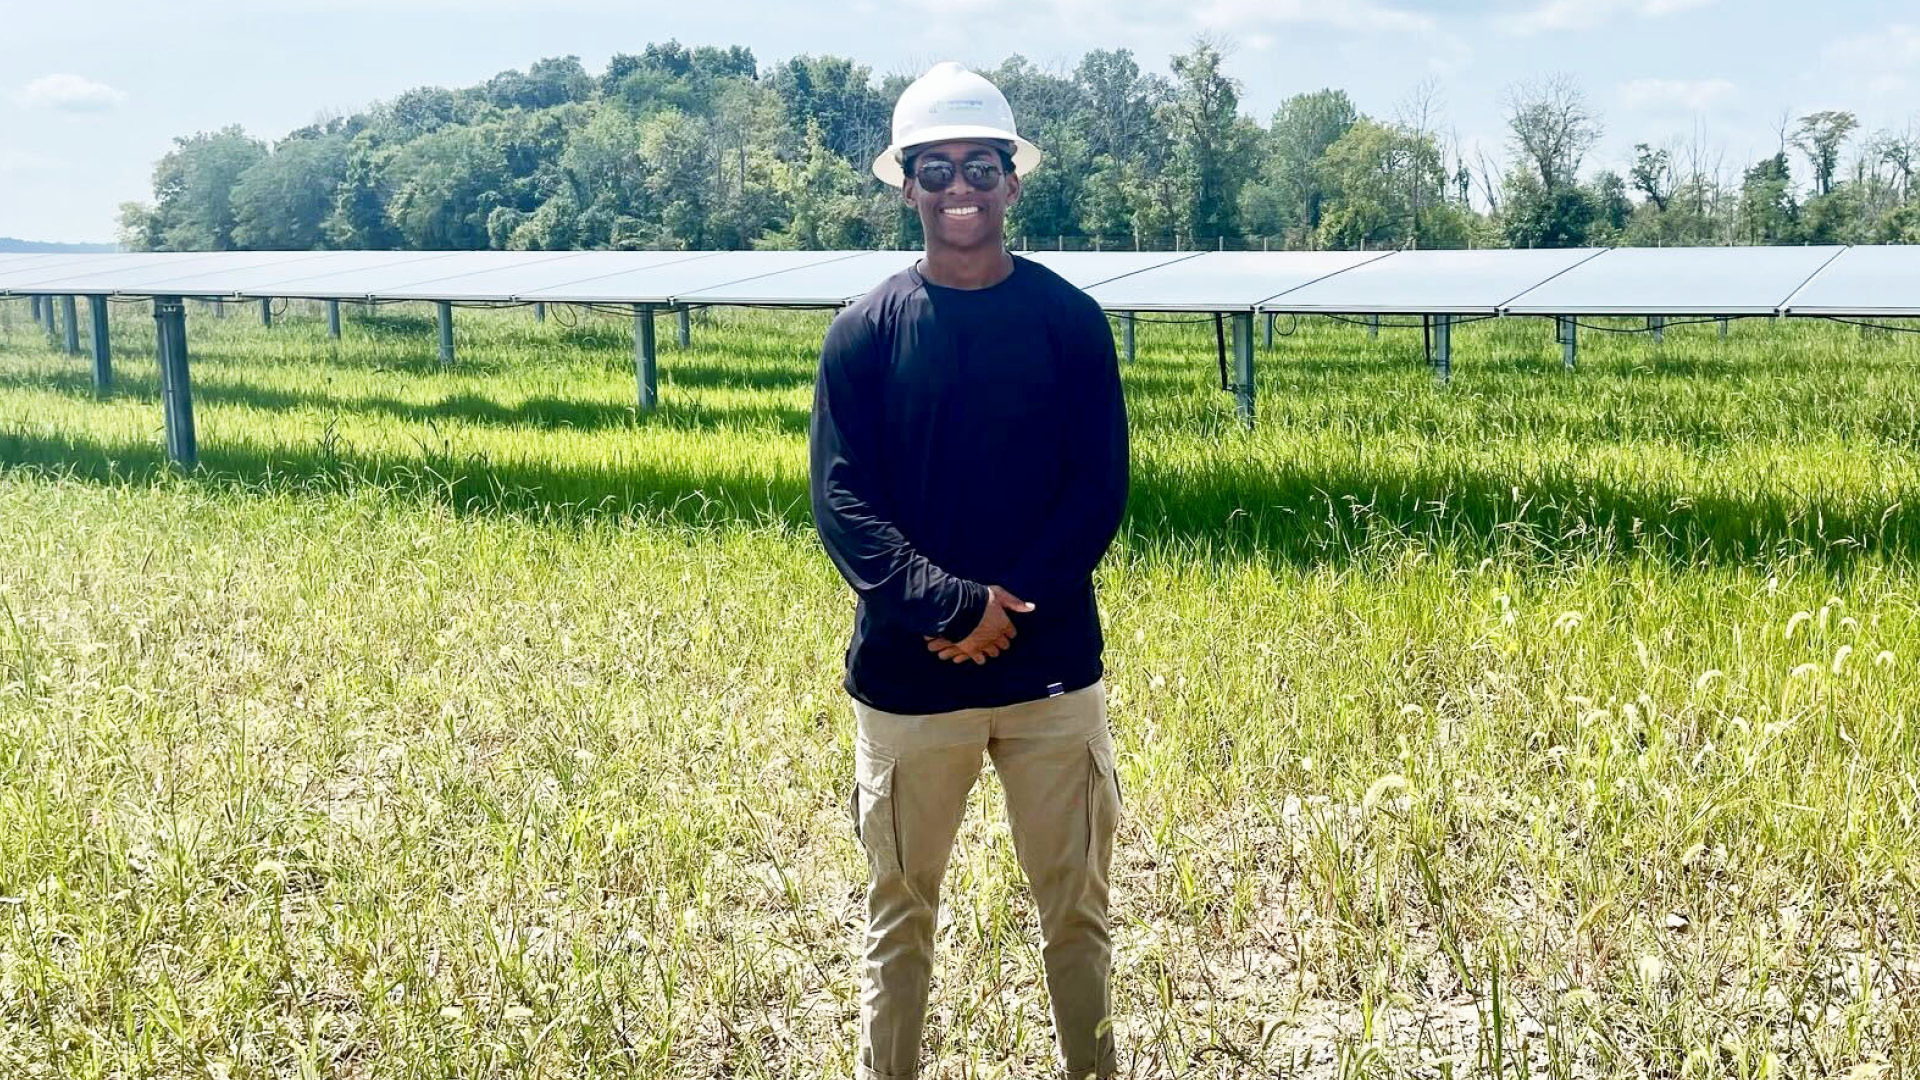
<point x="935" y="175"/>
<point x="983" y="175"/>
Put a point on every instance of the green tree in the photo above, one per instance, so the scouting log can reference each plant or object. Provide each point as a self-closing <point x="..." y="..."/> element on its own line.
<point x="1212" y="149"/>
<point x="550" y="82"/>
<point x="1820" y="137"/>
<point x="839" y="95"/>
<point x="282" y="203"/>
<point x="1535" y="217"/>
<point x="1653" y="175"/>
<point x="1768" y="214"/>
<point x="1117" y="105"/>
<point x="137" y="230"/>
<point x="680" y="177"/>
<point x="1373" y="177"/>
<point x="1303" y="129"/>
<point x="359" y="216"/>
<point x="445" y="186"/>
<point x="1551" y="128"/>
<point x="1612" y="208"/>
<point x="1050" y="199"/>
<point x="193" y="189"/>
<point x="826" y="199"/>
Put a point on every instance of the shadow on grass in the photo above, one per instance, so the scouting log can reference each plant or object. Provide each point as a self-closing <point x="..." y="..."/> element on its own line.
<point x="542" y="412"/>
<point x="1224" y="509"/>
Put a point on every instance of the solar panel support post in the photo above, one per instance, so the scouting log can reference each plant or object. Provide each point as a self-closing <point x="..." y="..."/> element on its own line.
<point x="1270" y="317"/>
<point x="446" y="331"/>
<point x="1243" y="365"/>
<point x="645" y="367"/>
<point x="539" y="312"/>
<point x="683" y="317"/>
<point x="1569" y="342"/>
<point x="1373" y="328"/>
<point x="333" y="319"/>
<point x="1443" y="347"/>
<point x="219" y="308"/>
<point x="176" y="390"/>
<point x="266" y="311"/>
<point x="1126" y="334"/>
<point x="72" y="325"/>
<point x="1723" y="329"/>
<point x="1658" y="325"/>
<point x="102" y="349"/>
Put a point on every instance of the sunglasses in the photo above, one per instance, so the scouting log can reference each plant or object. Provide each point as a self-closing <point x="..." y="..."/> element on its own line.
<point x="937" y="174"/>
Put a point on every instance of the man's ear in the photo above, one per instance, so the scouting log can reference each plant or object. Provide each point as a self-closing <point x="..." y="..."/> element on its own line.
<point x="906" y="191"/>
<point x="1013" y="188"/>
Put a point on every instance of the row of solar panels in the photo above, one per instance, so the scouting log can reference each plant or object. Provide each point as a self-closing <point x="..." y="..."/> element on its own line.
<point x="1829" y="281"/>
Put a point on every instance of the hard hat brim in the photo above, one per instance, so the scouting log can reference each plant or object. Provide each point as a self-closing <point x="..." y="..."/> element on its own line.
<point x="1026" y="156"/>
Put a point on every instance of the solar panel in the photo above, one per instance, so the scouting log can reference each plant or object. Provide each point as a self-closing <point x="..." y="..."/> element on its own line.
<point x="1677" y="281"/>
<point x="826" y="284"/>
<point x="220" y="278"/>
<point x="575" y="268"/>
<point x="1223" y="281"/>
<point x="16" y="258"/>
<point x="18" y="275"/>
<point x="1432" y="282"/>
<point x="662" y="284"/>
<point x="151" y="274"/>
<point x="1085" y="269"/>
<point x="405" y="280"/>
<point x="1867" y="282"/>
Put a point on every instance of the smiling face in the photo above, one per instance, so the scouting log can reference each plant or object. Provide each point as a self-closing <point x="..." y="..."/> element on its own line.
<point x="962" y="218"/>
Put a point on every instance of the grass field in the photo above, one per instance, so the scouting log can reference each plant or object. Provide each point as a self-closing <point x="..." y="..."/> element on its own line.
<point x="464" y="723"/>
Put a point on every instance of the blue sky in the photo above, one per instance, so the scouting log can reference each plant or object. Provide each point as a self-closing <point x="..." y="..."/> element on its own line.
<point x="92" y="91"/>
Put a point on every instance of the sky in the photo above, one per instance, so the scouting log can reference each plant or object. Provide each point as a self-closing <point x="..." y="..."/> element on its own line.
<point x="92" y="92"/>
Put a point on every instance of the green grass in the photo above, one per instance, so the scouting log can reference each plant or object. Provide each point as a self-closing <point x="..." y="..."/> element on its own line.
<point x="466" y="723"/>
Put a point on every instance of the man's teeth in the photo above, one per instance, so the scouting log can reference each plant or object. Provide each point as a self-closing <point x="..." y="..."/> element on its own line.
<point x="961" y="211"/>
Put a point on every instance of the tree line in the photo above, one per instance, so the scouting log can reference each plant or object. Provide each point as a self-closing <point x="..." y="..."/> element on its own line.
<point x="702" y="148"/>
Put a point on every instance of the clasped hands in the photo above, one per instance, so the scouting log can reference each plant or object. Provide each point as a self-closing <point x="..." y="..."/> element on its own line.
<point x="994" y="634"/>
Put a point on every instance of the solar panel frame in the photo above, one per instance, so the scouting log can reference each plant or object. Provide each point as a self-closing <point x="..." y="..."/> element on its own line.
<point x="406" y="281"/>
<point x="833" y="283"/>
<point x="1880" y="281"/>
<point x="1086" y="269"/>
<point x="9" y="258"/>
<point x="1703" y="282"/>
<point x="1436" y="282"/>
<point x="149" y="277"/>
<point x="255" y="282"/>
<point x="22" y="279"/>
<point x="1224" y="281"/>
<point x="499" y="285"/>
<point x="661" y="284"/>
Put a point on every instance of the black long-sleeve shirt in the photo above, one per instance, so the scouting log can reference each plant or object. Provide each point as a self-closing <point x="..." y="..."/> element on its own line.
<point x="964" y="438"/>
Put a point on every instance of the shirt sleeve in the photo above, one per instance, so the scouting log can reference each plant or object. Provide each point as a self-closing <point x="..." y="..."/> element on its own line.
<point x="1082" y="524"/>
<point x="899" y="585"/>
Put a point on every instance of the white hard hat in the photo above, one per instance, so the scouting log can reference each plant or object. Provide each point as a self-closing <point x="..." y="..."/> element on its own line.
<point x="946" y="104"/>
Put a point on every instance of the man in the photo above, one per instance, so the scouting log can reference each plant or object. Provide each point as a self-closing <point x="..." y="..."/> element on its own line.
<point x="969" y="471"/>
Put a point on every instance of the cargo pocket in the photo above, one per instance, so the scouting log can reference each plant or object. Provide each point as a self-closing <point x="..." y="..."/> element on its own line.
<point x="1103" y="800"/>
<point x="874" y="821"/>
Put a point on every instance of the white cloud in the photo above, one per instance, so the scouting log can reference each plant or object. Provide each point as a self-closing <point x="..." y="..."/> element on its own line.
<point x="69" y="93"/>
<point x="1675" y="95"/>
<point x="1552" y="15"/>
<point x="1879" y="66"/>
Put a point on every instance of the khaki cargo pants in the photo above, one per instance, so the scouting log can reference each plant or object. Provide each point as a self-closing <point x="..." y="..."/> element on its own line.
<point x="1055" y="761"/>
